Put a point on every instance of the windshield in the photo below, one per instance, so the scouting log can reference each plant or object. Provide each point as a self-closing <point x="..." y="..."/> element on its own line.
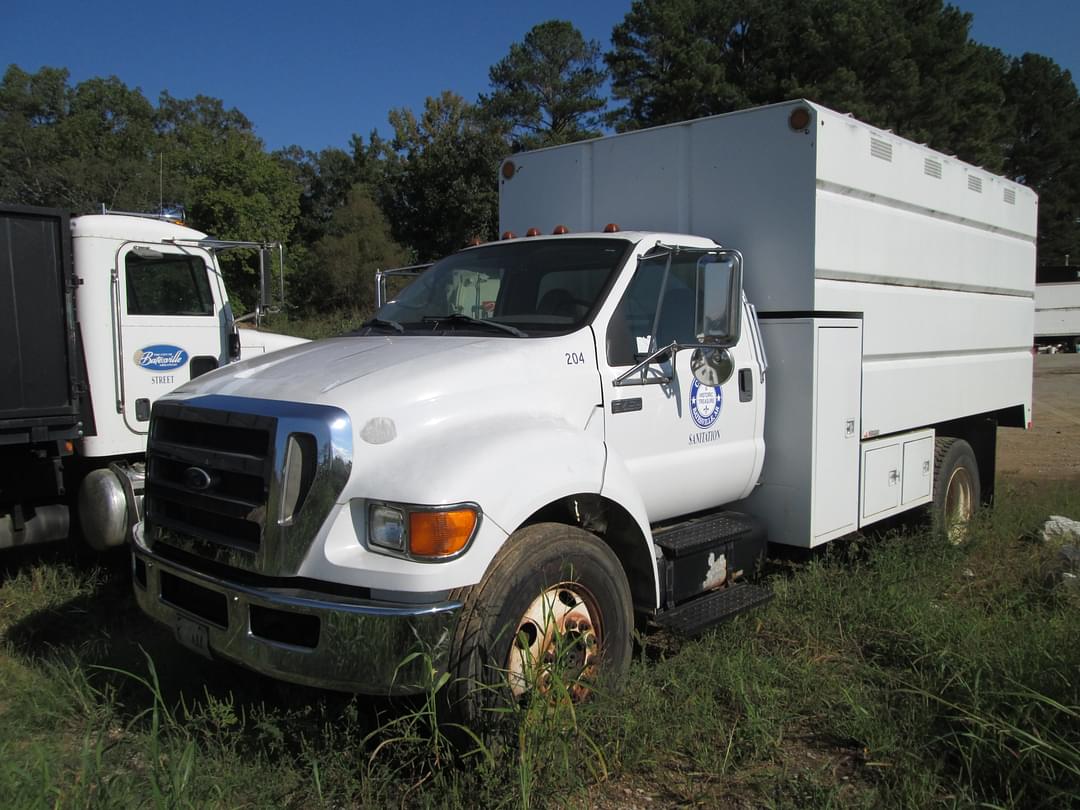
<point x="538" y="288"/>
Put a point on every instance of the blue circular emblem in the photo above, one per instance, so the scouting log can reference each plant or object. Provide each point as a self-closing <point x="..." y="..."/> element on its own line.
<point x="705" y="402"/>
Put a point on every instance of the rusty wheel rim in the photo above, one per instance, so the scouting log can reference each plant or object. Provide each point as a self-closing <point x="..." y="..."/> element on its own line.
<point x="557" y="639"/>
<point x="959" y="504"/>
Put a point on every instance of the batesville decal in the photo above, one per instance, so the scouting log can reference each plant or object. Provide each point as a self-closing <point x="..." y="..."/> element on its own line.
<point x="161" y="357"/>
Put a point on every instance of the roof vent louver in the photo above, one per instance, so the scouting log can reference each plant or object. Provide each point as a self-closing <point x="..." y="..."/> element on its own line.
<point x="932" y="168"/>
<point x="1010" y="196"/>
<point x="880" y="149"/>
<point x="975" y="183"/>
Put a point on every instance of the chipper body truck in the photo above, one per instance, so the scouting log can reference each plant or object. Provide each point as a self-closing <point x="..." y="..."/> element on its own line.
<point x="779" y="325"/>
<point x="99" y="316"/>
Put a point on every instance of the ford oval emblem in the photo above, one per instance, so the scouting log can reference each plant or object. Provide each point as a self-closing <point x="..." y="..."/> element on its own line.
<point x="161" y="357"/>
<point x="197" y="478"/>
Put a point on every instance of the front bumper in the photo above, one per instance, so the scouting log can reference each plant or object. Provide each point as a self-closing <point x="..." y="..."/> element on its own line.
<point x="302" y="636"/>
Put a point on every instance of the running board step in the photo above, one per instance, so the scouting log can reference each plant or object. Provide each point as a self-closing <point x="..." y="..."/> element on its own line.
<point x="704" y="553"/>
<point x="694" y="617"/>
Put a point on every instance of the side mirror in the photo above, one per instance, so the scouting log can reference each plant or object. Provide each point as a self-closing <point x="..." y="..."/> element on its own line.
<point x="265" y="279"/>
<point x="719" y="291"/>
<point x="712" y="365"/>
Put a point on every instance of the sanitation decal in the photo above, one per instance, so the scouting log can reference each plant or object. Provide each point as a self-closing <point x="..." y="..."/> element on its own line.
<point x="705" y="402"/>
<point x="162" y="357"/>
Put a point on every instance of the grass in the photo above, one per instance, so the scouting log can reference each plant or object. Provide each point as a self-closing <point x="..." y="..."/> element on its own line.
<point x="894" y="671"/>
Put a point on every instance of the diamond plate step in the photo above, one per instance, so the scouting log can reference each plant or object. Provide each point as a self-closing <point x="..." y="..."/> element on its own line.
<point x="693" y="617"/>
<point x="694" y="535"/>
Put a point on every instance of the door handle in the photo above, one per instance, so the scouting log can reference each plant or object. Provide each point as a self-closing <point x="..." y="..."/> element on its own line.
<point x="746" y="384"/>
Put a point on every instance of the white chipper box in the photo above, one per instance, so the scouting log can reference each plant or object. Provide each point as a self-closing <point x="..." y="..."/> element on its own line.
<point x="934" y="258"/>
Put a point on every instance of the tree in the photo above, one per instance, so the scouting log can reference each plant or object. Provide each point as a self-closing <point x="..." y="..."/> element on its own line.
<point x="232" y="188"/>
<point x="75" y="147"/>
<point x="108" y="147"/>
<point x="357" y="242"/>
<point x="546" y="90"/>
<point x="905" y="65"/>
<point x="325" y="179"/>
<point x="1044" y="150"/>
<point x="440" y="186"/>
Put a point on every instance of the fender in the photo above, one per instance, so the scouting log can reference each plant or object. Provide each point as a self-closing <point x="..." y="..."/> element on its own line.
<point x="619" y="487"/>
<point x="520" y="465"/>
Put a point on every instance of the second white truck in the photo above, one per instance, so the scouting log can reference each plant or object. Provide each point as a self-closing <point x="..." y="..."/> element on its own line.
<point x="100" y="314"/>
<point x="545" y="439"/>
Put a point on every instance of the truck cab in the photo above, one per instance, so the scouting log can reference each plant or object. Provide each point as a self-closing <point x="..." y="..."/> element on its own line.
<point x="612" y="381"/>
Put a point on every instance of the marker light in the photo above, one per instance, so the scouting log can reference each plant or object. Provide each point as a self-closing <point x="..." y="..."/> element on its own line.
<point x="476" y="241"/>
<point x="799" y="119"/>
<point x="508" y="170"/>
<point x="441" y="534"/>
<point x="611" y="227"/>
<point x="560" y="230"/>
<point x="532" y="232"/>
<point x="508" y="235"/>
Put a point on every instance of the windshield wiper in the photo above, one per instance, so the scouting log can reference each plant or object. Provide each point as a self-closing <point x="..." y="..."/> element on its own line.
<point x="383" y="323"/>
<point x="457" y="317"/>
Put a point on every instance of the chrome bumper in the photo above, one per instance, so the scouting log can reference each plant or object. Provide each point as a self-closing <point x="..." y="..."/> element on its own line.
<point x="332" y="642"/>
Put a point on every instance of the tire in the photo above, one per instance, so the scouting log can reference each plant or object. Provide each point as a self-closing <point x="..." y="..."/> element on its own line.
<point x="554" y="595"/>
<point x="956" y="488"/>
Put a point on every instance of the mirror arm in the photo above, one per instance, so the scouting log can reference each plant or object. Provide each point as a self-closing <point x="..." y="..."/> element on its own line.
<point x="664" y="379"/>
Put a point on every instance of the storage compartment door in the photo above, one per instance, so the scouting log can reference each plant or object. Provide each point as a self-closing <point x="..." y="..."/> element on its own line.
<point x="918" y="470"/>
<point x="881" y="480"/>
<point x="837" y="393"/>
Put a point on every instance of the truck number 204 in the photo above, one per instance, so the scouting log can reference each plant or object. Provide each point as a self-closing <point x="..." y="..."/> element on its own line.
<point x="574" y="358"/>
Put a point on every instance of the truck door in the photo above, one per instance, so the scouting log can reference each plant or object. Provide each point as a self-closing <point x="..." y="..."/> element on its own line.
<point x="167" y="306"/>
<point x="688" y="445"/>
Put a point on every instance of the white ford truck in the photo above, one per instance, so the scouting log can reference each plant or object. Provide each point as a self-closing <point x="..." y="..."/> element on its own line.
<point x="544" y="437"/>
<point x="99" y="315"/>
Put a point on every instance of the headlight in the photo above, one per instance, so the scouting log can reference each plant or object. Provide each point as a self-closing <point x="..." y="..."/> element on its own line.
<point x="423" y="532"/>
<point x="387" y="527"/>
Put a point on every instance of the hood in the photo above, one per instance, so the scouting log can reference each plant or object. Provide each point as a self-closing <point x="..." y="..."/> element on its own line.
<point x="313" y="372"/>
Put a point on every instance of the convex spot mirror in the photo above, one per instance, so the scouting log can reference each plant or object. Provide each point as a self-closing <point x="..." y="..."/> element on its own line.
<point x="712" y="365"/>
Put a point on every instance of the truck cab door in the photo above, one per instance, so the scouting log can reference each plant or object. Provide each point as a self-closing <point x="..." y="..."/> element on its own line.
<point x="167" y="305"/>
<point x="688" y="445"/>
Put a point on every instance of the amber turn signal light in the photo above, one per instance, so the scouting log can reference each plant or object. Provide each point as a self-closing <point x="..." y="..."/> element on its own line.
<point x="440" y="534"/>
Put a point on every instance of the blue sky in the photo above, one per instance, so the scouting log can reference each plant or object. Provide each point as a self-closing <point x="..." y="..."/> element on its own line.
<point x="313" y="73"/>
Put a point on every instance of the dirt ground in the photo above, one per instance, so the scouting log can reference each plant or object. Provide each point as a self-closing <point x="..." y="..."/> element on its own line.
<point x="1051" y="449"/>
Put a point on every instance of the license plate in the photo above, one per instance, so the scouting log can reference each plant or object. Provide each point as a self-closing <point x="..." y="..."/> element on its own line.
<point x="193" y="635"/>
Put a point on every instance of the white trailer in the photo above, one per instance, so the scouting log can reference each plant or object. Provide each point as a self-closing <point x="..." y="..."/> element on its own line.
<point x="1057" y="308"/>
<point x="540" y="437"/>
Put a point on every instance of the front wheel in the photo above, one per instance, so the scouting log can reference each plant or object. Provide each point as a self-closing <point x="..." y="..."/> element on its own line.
<point x="553" y="614"/>
<point x="956" y="488"/>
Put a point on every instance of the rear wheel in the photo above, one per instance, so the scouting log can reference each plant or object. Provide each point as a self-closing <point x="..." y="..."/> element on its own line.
<point x="553" y="614"/>
<point x="956" y="488"/>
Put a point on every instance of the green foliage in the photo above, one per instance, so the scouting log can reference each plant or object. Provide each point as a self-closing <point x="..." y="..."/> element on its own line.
<point x="356" y="243"/>
<point x="1044" y="150"/>
<point x="906" y="65"/>
<point x="440" y="188"/>
<point x="75" y="147"/>
<point x="547" y="89"/>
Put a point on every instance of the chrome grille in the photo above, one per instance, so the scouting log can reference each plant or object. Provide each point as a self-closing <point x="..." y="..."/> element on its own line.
<point x="209" y="474"/>
<point x="216" y="478"/>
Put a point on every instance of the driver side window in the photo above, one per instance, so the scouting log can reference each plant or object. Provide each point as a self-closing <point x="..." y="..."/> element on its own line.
<point x="645" y="320"/>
